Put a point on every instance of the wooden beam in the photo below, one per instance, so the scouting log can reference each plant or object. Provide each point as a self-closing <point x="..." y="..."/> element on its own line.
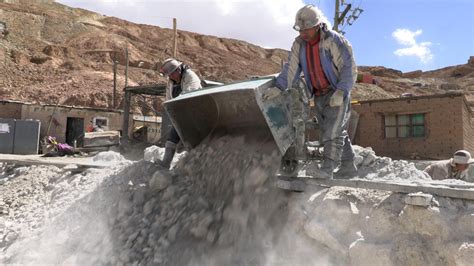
<point x="444" y="190"/>
<point x="56" y="161"/>
<point x="457" y="191"/>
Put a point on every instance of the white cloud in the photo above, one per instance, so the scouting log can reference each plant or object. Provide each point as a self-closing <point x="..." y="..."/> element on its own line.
<point x="406" y="37"/>
<point x="266" y="23"/>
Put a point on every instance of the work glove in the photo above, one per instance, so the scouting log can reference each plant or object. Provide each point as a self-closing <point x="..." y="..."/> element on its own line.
<point x="337" y="98"/>
<point x="271" y="93"/>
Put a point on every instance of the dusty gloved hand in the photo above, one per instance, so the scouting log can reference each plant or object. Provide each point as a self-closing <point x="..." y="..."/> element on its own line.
<point x="337" y="98"/>
<point x="271" y="93"/>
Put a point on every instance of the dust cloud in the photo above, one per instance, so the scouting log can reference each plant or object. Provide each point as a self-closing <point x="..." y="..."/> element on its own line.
<point x="218" y="206"/>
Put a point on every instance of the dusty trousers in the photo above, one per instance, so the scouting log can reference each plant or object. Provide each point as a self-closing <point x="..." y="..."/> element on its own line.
<point x="333" y="123"/>
<point x="170" y="150"/>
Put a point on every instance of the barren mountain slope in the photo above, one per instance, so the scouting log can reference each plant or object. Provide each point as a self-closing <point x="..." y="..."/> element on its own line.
<point x="54" y="53"/>
<point x="57" y="54"/>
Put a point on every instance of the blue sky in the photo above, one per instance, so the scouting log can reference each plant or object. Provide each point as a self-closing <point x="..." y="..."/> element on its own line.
<point x="414" y="34"/>
<point x="402" y="34"/>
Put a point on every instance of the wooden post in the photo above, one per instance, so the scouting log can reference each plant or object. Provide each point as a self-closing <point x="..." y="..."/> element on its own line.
<point x="175" y="38"/>
<point x="114" y="99"/>
<point x="126" y="116"/>
<point x="126" y="67"/>
<point x="165" y="120"/>
<point x="175" y="52"/>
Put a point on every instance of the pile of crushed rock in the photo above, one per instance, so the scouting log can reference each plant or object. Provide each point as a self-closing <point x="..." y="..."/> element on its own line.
<point x="372" y="167"/>
<point x="214" y="208"/>
<point x="218" y="206"/>
<point x="32" y="196"/>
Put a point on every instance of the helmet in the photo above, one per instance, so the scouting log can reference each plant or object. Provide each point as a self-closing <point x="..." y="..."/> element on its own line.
<point x="169" y="66"/>
<point x="307" y="17"/>
<point x="462" y="157"/>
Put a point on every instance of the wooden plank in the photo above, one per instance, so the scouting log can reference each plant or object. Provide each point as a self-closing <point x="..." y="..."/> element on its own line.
<point x="56" y="161"/>
<point x="451" y="192"/>
<point x="101" y="139"/>
<point x="467" y="186"/>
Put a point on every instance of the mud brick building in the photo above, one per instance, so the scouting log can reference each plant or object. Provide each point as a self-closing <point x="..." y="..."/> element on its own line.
<point x="426" y="127"/>
<point x="66" y="123"/>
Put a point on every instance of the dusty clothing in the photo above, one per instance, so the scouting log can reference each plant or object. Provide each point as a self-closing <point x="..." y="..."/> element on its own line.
<point x="444" y="170"/>
<point x="318" y="79"/>
<point x="173" y="136"/>
<point x="337" y="62"/>
<point x="333" y="122"/>
<point x="189" y="82"/>
<point x="339" y="68"/>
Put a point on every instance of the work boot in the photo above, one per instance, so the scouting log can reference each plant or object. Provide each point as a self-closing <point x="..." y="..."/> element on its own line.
<point x="326" y="170"/>
<point x="347" y="170"/>
<point x="170" y="149"/>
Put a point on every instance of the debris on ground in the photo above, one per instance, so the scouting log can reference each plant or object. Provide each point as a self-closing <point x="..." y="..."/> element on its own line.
<point x="218" y="207"/>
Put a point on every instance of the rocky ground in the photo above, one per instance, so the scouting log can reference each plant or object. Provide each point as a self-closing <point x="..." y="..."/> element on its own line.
<point x="219" y="207"/>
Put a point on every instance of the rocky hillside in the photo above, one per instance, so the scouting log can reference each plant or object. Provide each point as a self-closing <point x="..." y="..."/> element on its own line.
<point x="57" y="54"/>
<point x="453" y="78"/>
<point x="54" y="53"/>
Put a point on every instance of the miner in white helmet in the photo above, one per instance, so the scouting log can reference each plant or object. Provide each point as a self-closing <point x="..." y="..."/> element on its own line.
<point x="183" y="79"/>
<point x="454" y="168"/>
<point x="326" y="60"/>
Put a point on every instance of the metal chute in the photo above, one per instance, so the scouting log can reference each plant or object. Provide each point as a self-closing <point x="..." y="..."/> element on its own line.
<point x="243" y="107"/>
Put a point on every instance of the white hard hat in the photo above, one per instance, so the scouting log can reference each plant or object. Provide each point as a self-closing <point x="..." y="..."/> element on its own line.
<point x="169" y="66"/>
<point x="307" y="17"/>
<point x="462" y="157"/>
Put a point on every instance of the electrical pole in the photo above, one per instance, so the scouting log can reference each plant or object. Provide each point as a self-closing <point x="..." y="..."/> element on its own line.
<point x="336" y="17"/>
<point x="340" y="18"/>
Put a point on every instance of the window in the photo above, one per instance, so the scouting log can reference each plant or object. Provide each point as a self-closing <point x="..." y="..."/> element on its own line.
<point x="101" y="122"/>
<point x="405" y="126"/>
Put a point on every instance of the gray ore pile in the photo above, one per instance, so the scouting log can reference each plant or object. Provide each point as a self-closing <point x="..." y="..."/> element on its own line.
<point x="217" y="207"/>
